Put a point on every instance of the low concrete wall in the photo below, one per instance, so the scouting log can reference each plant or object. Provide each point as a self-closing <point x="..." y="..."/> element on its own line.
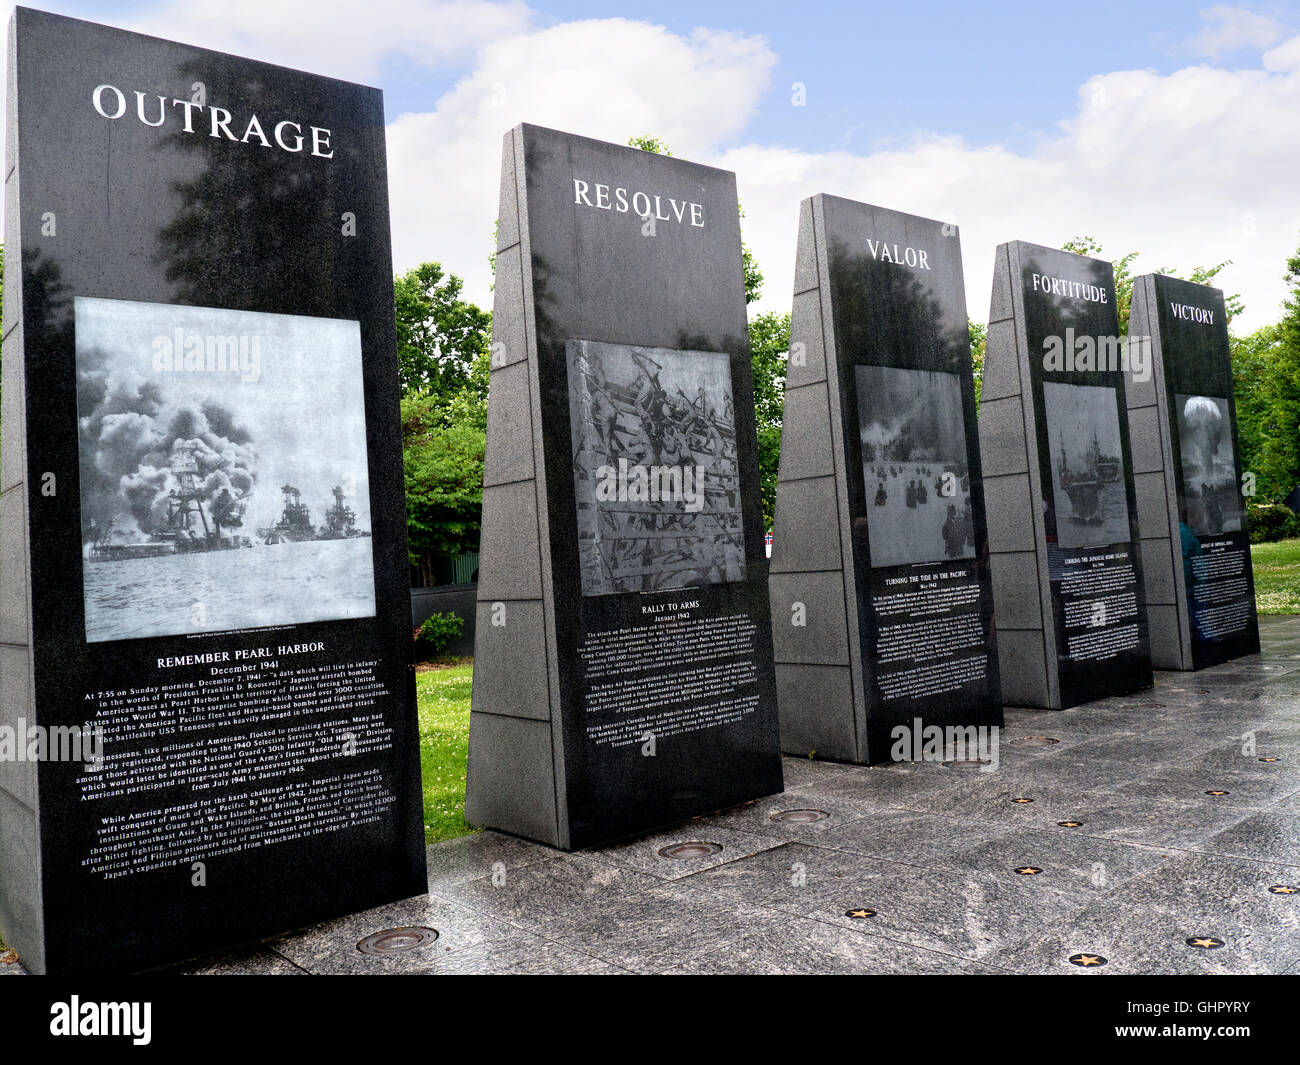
<point x="458" y="599"/>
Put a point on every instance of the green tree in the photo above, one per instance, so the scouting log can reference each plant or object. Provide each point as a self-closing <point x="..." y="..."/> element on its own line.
<point x="769" y="346"/>
<point x="443" y="440"/>
<point x="1253" y="357"/>
<point x="1279" y="463"/>
<point x="444" y="351"/>
<point x="979" y="342"/>
<point x="654" y="145"/>
<point x="439" y="333"/>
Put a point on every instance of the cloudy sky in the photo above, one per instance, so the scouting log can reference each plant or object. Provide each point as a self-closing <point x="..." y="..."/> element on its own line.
<point x="1168" y="128"/>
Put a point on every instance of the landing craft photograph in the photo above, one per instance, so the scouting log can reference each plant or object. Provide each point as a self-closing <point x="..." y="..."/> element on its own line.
<point x="1087" y="468"/>
<point x="654" y="468"/>
<point x="1209" y="467"/>
<point x="914" y="465"/>
<point x="223" y="469"/>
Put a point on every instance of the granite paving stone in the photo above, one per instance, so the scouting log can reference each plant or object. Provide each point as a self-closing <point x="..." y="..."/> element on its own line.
<point x="659" y="929"/>
<point x="518" y="954"/>
<point x="759" y="817"/>
<point x="1267" y="837"/>
<point x="911" y="838"/>
<point x="788" y="878"/>
<point x="331" y="948"/>
<point x="534" y="894"/>
<point x="965" y="914"/>
<point x="931" y="849"/>
<point x="1065" y="860"/>
<point x="471" y="857"/>
<point x="809" y="947"/>
<point x="250" y="961"/>
<point x="642" y="855"/>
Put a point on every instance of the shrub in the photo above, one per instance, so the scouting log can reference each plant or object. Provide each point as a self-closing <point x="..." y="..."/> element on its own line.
<point x="437" y="631"/>
<point x="1267" y="522"/>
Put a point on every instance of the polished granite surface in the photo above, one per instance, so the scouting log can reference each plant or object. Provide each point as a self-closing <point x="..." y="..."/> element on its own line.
<point x="914" y="868"/>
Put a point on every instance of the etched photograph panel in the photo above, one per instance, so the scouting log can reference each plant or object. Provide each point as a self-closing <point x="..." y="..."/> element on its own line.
<point x="1209" y="466"/>
<point x="655" y="473"/>
<point x="914" y="466"/>
<point x="1083" y="441"/>
<point x="223" y="469"/>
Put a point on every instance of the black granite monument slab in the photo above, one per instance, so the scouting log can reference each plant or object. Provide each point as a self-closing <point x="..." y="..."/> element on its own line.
<point x="881" y="593"/>
<point x="623" y="655"/>
<point x="1058" y="483"/>
<point x="1187" y="472"/>
<point x="205" y="638"/>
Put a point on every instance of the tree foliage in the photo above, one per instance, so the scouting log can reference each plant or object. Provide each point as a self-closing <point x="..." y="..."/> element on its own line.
<point x="444" y="345"/>
<point x="443" y="441"/>
<point x="439" y="333"/>
<point x="769" y="345"/>
<point x="1279" y="385"/>
<point x="979" y="342"/>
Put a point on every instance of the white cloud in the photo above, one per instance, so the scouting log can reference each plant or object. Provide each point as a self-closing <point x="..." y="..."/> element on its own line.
<point x="1229" y="29"/>
<point x="1189" y="169"/>
<point x="1285" y="57"/>
<point x="339" y="38"/>
<point x="608" y="78"/>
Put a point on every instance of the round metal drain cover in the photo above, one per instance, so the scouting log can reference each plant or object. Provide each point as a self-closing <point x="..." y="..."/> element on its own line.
<point x="968" y="763"/>
<point x="397" y="940"/>
<point x="1036" y="741"/>
<point x="692" y="849"/>
<point x="800" y="817"/>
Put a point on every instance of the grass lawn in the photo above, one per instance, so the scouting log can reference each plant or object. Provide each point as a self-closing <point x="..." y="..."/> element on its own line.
<point x="443" y="694"/>
<point x="1277" y="576"/>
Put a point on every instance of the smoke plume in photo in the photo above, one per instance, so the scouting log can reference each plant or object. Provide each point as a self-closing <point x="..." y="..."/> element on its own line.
<point x="220" y="493"/>
<point x="1209" y="466"/>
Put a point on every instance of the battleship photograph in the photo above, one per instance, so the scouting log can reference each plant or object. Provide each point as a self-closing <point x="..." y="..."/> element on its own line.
<point x="1209" y="467"/>
<point x="1083" y="441"/>
<point x="654" y="409"/>
<point x="203" y="506"/>
<point x="913" y="439"/>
